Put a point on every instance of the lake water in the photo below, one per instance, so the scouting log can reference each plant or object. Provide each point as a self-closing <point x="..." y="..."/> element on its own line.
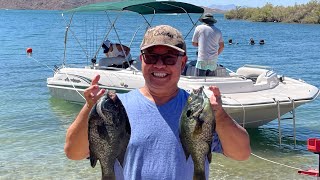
<point x="33" y="125"/>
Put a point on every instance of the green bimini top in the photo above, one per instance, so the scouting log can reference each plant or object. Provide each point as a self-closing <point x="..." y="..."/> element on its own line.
<point x="142" y="7"/>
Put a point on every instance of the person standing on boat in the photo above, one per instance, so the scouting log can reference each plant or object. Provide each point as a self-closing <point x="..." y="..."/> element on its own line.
<point x="116" y="50"/>
<point x="209" y="41"/>
<point x="154" y="150"/>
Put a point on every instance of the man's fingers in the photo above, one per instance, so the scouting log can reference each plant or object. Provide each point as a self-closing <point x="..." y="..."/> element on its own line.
<point x="90" y="89"/>
<point x="95" y="80"/>
<point x="215" y="91"/>
<point x="215" y="98"/>
<point x="100" y="93"/>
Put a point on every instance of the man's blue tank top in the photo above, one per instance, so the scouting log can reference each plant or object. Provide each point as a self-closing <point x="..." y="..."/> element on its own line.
<point x="154" y="150"/>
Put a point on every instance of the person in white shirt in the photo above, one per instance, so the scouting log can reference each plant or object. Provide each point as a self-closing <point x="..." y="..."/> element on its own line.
<point x="209" y="41"/>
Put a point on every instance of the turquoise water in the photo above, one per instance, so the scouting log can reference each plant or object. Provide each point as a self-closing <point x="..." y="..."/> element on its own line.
<point x="33" y="125"/>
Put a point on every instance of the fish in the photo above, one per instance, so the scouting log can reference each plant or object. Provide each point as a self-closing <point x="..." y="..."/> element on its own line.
<point x="109" y="133"/>
<point x="196" y="130"/>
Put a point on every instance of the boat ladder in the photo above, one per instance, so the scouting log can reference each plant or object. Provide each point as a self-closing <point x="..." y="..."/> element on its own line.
<point x="293" y="117"/>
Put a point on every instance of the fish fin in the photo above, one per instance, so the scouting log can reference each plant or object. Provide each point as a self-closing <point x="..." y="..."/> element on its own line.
<point x="108" y="177"/>
<point x="199" y="122"/>
<point x="198" y="128"/>
<point x="128" y="127"/>
<point x="93" y="160"/>
<point x="214" y="127"/>
<point x="116" y="119"/>
<point x="187" y="154"/>
<point x="209" y="156"/>
<point x="121" y="157"/>
<point x="199" y="176"/>
<point x="94" y="116"/>
<point x="103" y="132"/>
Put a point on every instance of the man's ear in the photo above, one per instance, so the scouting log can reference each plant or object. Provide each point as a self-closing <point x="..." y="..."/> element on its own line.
<point x="184" y="62"/>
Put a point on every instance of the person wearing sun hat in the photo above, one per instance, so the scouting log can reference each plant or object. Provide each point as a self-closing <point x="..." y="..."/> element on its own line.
<point x="115" y="50"/>
<point x="209" y="41"/>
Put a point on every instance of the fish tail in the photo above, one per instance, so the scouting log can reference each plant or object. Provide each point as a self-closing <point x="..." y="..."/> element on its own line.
<point x="199" y="176"/>
<point x="108" y="177"/>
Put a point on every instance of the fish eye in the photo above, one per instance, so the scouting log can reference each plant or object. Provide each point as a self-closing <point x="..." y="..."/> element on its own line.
<point x="189" y="113"/>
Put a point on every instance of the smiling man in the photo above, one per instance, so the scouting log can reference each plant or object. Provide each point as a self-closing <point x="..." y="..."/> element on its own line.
<point x="154" y="150"/>
<point x="163" y="55"/>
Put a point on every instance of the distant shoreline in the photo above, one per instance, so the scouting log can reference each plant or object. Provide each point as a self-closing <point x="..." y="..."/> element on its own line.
<point x="61" y="5"/>
<point x="303" y="14"/>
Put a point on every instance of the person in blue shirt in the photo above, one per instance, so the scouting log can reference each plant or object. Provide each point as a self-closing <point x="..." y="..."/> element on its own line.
<point x="154" y="150"/>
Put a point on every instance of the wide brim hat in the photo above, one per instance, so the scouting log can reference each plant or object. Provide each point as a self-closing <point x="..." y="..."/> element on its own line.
<point x="106" y="46"/>
<point x="208" y="17"/>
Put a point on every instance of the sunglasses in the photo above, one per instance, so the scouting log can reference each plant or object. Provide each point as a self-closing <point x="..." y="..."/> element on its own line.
<point x="167" y="59"/>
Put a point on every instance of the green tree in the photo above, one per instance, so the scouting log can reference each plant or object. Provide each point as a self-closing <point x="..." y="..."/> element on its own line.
<point x="305" y="13"/>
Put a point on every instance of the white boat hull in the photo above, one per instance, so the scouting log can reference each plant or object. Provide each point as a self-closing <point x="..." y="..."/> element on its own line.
<point x="250" y="104"/>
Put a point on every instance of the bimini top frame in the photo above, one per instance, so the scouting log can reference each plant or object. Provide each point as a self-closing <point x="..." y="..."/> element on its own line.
<point x="142" y="7"/>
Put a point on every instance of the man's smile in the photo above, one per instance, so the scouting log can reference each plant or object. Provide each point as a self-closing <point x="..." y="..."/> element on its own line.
<point x="159" y="74"/>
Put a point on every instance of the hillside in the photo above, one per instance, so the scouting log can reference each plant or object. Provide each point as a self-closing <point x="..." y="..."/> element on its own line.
<point x="57" y="4"/>
<point x="45" y="4"/>
<point x="223" y="7"/>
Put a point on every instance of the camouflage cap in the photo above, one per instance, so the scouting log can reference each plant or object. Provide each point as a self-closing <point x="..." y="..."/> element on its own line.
<point x="163" y="35"/>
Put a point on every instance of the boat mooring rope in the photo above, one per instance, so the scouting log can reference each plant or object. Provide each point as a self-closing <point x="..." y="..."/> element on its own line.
<point x="74" y="86"/>
<point x="30" y="56"/>
<point x="275" y="162"/>
<point x="243" y="124"/>
<point x="244" y="112"/>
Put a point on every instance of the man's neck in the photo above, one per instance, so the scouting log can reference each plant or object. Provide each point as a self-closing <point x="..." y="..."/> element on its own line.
<point x="157" y="97"/>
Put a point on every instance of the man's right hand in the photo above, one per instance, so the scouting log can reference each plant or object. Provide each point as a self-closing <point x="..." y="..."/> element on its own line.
<point x="93" y="93"/>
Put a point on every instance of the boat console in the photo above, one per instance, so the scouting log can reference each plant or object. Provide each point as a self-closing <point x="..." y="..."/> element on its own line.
<point x="190" y="70"/>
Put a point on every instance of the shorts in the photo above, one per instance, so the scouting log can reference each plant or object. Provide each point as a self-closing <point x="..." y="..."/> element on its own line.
<point x="207" y="64"/>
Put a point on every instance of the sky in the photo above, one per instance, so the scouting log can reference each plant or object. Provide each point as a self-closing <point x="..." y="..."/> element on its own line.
<point x="250" y="3"/>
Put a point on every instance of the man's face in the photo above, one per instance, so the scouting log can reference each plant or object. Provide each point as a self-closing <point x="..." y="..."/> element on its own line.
<point x="162" y="76"/>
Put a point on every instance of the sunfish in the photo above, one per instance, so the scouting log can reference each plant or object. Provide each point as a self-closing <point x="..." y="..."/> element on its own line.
<point x="108" y="133"/>
<point x="197" y="126"/>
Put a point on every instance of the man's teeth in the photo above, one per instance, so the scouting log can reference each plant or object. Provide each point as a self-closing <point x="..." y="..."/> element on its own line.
<point x="160" y="74"/>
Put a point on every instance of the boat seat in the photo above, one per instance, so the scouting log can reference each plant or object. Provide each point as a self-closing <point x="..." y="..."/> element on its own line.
<point x="117" y="62"/>
<point x="108" y="61"/>
<point x="221" y="71"/>
<point x="261" y="78"/>
<point x="190" y="69"/>
<point x="250" y="72"/>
